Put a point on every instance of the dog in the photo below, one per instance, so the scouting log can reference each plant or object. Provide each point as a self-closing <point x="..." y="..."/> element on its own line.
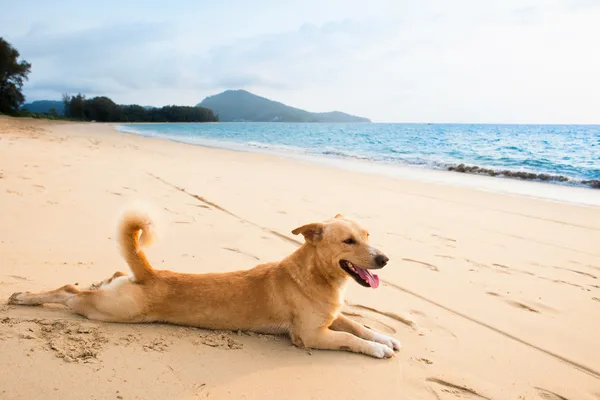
<point x="300" y="296"/>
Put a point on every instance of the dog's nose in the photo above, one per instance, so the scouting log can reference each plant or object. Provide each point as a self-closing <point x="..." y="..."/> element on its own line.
<point x="381" y="260"/>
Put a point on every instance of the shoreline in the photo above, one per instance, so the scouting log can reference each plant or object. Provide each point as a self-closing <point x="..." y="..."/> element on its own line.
<point x="531" y="188"/>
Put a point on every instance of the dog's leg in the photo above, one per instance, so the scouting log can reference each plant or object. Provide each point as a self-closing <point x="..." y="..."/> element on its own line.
<point x="327" y="339"/>
<point x="113" y="302"/>
<point x="345" y="324"/>
<point x="59" y="296"/>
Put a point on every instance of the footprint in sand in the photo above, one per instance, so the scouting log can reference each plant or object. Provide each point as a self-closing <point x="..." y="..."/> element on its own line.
<point x="587" y="274"/>
<point x="234" y="250"/>
<point x="564" y="282"/>
<point x="424" y="326"/>
<point x="505" y="268"/>
<point x="522" y="306"/>
<point x="447" y="239"/>
<point x="370" y="323"/>
<point x="74" y="342"/>
<point x="549" y="395"/>
<point x="388" y="314"/>
<point x="21" y="278"/>
<point x="476" y="263"/>
<point x="219" y="340"/>
<point x="158" y="344"/>
<point x="457" y="390"/>
<point x="588" y="266"/>
<point x="423" y="263"/>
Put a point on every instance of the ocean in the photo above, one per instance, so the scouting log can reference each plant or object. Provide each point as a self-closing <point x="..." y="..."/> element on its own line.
<point x="557" y="154"/>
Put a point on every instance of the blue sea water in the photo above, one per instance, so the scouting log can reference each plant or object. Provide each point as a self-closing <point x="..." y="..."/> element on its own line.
<point x="572" y="151"/>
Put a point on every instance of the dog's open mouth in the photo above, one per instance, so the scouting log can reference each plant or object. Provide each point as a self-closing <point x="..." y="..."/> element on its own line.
<point x="361" y="275"/>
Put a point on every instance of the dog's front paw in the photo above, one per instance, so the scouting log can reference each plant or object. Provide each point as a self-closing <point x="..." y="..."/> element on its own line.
<point x="396" y="345"/>
<point x="379" y="350"/>
<point x="388" y="341"/>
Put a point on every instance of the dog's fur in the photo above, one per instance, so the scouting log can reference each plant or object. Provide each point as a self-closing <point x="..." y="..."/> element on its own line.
<point x="301" y="295"/>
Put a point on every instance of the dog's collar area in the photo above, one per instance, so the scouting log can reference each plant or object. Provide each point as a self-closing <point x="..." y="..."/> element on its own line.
<point x="362" y="276"/>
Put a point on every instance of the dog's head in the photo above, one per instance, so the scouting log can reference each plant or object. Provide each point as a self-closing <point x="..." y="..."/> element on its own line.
<point x="342" y="246"/>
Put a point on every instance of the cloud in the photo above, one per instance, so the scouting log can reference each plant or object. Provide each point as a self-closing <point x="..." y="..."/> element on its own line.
<point x="402" y="60"/>
<point x="94" y="42"/>
<point x="113" y="59"/>
<point x="118" y="59"/>
<point x="581" y="5"/>
<point x="526" y="15"/>
<point x="311" y="55"/>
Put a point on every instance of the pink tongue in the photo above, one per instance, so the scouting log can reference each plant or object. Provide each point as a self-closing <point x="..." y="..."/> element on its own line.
<point x="373" y="280"/>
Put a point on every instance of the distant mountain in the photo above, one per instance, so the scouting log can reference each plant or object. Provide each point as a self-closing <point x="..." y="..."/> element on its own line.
<point x="241" y="105"/>
<point x="44" y="106"/>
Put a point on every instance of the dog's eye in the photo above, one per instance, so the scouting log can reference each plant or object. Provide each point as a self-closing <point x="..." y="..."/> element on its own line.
<point x="350" y="241"/>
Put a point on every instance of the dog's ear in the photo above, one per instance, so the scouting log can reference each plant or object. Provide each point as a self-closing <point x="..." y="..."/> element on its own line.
<point x="312" y="233"/>
<point x="339" y="216"/>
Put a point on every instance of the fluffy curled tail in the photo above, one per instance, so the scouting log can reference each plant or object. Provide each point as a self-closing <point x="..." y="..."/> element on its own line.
<point x="136" y="230"/>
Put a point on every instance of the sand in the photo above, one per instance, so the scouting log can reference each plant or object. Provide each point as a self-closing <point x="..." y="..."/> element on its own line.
<point x="493" y="296"/>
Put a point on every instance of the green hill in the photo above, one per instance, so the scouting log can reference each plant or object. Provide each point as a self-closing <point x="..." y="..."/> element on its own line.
<point x="44" y="106"/>
<point x="241" y="105"/>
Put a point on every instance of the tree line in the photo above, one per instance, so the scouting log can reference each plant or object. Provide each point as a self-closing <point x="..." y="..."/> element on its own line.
<point x="103" y="109"/>
<point x="14" y="72"/>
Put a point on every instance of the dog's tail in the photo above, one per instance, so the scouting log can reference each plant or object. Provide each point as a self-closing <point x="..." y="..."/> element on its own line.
<point x="136" y="230"/>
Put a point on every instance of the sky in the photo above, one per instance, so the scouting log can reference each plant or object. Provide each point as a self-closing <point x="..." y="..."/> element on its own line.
<point x="471" y="61"/>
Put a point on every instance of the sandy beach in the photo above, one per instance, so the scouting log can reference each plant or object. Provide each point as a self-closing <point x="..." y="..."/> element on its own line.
<point x="493" y="296"/>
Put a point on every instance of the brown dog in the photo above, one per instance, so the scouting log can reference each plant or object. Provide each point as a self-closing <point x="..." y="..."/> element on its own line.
<point x="301" y="295"/>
